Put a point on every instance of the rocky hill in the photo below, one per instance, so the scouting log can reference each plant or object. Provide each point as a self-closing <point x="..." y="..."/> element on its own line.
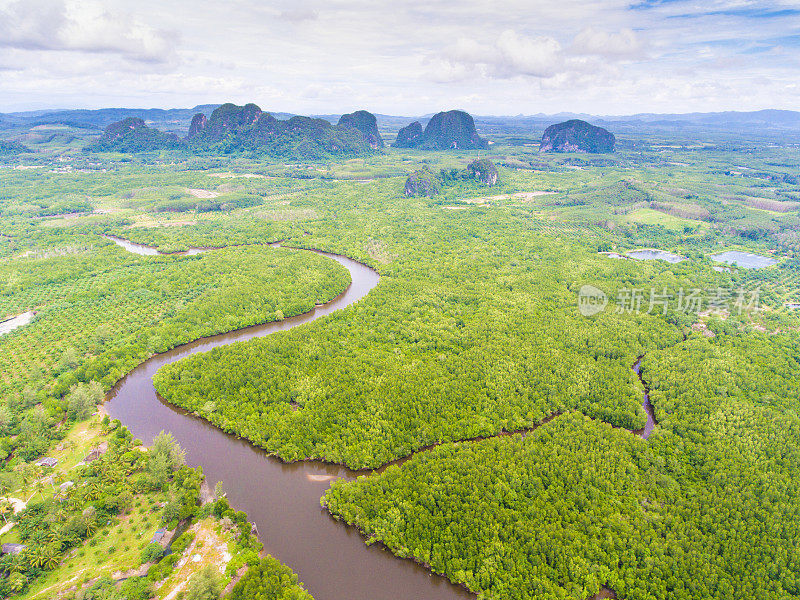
<point x="422" y="183"/>
<point x="198" y="124"/>
<point x="427" y="183"/>
<point x="577" y="136"/>
<point x="483" y="171"/>
<point x="451" y="130"/>
<point x="133" y="135"/>
<point x="409" y="136"/>
<point x="226" y="121"/>
<point x="232" y="128"/>
<point x="366" y="123"/>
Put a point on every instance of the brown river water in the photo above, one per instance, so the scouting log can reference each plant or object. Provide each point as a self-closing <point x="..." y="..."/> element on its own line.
<point x="283" y="500"/>
<point x="646" y="404"/>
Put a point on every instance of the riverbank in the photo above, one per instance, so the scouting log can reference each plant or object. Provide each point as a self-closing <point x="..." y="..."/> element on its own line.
<point x="284" y="497"/>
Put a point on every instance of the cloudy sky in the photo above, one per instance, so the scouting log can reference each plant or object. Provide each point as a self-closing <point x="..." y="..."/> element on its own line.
<point x="401" y="57"/>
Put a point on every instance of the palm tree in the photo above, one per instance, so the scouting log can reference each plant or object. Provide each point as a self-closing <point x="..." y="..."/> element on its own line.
<point x="36" y="557"/>
<point x="50" y="558"/>
<point x="74" y="502"/>
<point x="38" y="537"/>
<point x="17" y="582"/>
<point x="89" y="526"/>
<point x="94" y="490"/>
<point x="70" y="540"/>
<point x="113" y="475"/>
<point x="60" y="515"/>
<point x="28" y="473"/>
<point x="53" y="535"/>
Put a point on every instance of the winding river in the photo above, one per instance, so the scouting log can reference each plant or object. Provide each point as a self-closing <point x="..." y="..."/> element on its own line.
<point x="645" y="431"/>
<point x="150" y="251"/>
<point x="281" y="499"/>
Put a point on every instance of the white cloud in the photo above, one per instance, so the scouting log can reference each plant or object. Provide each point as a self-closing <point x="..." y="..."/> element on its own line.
<point x="338" y="92"/>
<point x="411" y="57"/>
<point x="31" y="24"/>
<point x="540" y="56"/>
<point x="623" y="44"/>
<point x="58" y="25"/>
<point x="298" y="15"/>
<point x="510" y="55"/>
<point x="445" y="71"/>
<point x="470" y="52"/>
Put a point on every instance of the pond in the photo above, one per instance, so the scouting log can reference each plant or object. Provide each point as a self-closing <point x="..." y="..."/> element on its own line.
<point x="746" y="260"/>
<point x="651" y="254"/>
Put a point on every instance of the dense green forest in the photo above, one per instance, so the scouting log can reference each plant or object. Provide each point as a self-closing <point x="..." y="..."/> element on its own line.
<point x="100" y="311"/>
<point x="707" y="508"/>
<point x="473" y="330"/>
<point x="269" y="580"/>
<point x="437" y="352"/>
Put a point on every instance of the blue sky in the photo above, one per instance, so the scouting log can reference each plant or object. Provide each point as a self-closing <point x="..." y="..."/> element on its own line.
<point x="410" y="58"/>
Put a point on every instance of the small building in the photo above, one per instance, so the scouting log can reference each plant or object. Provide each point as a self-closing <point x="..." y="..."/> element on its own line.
<point x="66" y="485"/>
<point x="47" y="462"/>
<point x="12" y="548"/>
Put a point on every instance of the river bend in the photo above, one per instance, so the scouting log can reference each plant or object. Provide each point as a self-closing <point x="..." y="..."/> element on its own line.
<point x="283" y="500"/>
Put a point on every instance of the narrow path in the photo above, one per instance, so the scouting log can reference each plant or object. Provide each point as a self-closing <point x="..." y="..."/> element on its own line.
<point x="17" y="505"/>
<point x="12" y="323"/>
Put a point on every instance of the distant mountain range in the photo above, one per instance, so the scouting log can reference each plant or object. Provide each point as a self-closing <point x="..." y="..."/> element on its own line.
<point x="758" y="121"/>
<point x="761" y="118"/>
<point x="177" y="120"/>
<point x="174" y="119"/>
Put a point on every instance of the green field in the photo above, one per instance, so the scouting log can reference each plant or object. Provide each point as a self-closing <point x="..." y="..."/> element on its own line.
<point x="647" y="216"/>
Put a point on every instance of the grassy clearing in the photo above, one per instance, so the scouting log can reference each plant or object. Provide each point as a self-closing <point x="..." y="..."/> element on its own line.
<point x="648" y="216"/>
<point x="81" y="438"/>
